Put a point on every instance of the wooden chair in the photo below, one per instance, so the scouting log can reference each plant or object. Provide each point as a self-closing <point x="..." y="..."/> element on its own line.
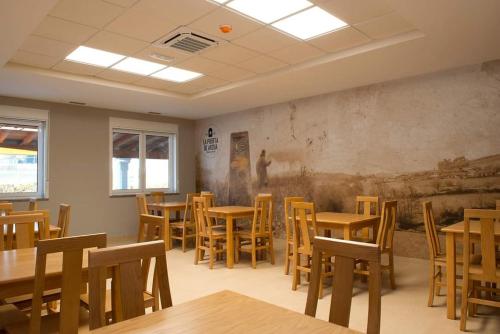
<point x="24" y="228"/>
<point x="187" y="227"/>
<point x="208" y="239"/>
<point x="303" y="236"/>
<point x="498" y="204"/>
<point x="127" y="282"/>
<point x="32" y="204"/>
<point x="151" y="223"/>
<point x="63" y="219"/>
<point x="260" y="237"/>
<point x="210" y="196"/>
<point x="157" y="197"/>
<point x="5" y="208"/>
<point x="437" y="259"/>
<point x="43" y="226"/>
<point x="366" y="205"/>
<point x="142" y="204"/>
<point x="346" y="254"/>
<point x="289" y="230"/>
<point x="384" y="240"/>
<point x="476" y="272"/>
<point x="71" y="317"/>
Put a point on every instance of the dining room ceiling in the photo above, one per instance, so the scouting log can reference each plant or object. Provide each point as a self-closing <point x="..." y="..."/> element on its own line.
<point x="254" y="64"/>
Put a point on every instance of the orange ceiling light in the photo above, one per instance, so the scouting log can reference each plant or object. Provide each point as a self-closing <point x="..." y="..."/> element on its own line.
<point x="225" y="28"/>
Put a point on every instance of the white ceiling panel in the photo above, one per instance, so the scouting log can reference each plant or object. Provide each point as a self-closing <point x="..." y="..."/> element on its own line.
<point x="340" y="40"/>
<point x="33" y="59"/>
<point x="297" y="53"/>
<point x="265" y="40"/>
<point x="77" y="68"/>
<point x="355" y="11"/>
<point x="180" y="13"/>
<point x="47" y="47"/>
<point x="122" y="3"/>
<point x="64" y="31"/>
<point x="119" y="76"/>
<point x="262" y="64"/>
<point x="95" y="13"/>
<point x="202" y="65"/>
<point x="229" y="54"/>
<point x="385" y="26"/>
<point x="112" y="42"/>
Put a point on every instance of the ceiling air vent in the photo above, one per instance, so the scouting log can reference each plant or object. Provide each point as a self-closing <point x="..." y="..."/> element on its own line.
<point x="186" y="41"/>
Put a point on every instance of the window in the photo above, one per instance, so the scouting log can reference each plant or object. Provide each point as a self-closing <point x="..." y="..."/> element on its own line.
<point x="143" y="157"/>
<point x="22" y="154"/>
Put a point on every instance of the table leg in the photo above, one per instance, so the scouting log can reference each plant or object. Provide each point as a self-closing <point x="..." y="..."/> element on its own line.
<point x="229" y="241"/>
<point x="347" y="232"/>
<point x="166" y="229"/>
<point x="451" y="274"/>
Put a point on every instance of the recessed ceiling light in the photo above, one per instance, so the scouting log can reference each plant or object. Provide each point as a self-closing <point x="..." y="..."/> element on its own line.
<point x="310" y="23"/>
<point x="86" y="55"/>
<point x="137" y="66"/>
<point x="176" y="74"/>
<point x="269" y="11"/>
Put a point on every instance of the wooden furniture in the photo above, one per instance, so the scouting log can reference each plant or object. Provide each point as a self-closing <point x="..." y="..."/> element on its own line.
<point x="230" y="214"/>
<point x="289" y="230"/>
<point x="346" y="254"/>
<point x="32" y="204"/>
<point x="225" y="312"/>
<point x="208" y="239"/>
<point x="346" y="222"/>
<point x="486" y="270"/>
<point x="368" y="206"/>
<point x="210" y="197"/>
<point x="49" y="231"/>
<point x="303" y="236"/>
<point x="498" y="204"/>
<point x="165" y="208"/>
<point x="72" y="250"/>
<point x="454" y="232"/>
<point x="127" y="281"/>
<point x="186" y="227"/>
<point x="157" y="196"/>
<point x="437" y="259"/>
<point x="6" y="208"/>
<point x="24" y="228"/>
<point x="384" y="240"/>
<point x="63" y="219"/>
<point x="260" y="237"/>
<point x="142" y="205"/>
<point x="151" y="224"/>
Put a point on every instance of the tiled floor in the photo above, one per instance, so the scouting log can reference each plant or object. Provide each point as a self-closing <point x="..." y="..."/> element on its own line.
<point x="404" y="310"/>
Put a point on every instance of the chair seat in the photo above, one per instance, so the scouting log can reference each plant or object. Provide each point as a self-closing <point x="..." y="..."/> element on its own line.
<point x="248" y="234"/>
<point x="459" y="260"/>
<point x="50" y="324"/>
<point x="181" y="224"/>
<point x="148" y="301"/>
<point x="216" y="233"/>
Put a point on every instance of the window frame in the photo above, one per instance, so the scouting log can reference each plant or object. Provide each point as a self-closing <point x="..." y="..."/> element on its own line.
<point x="143" y="129"/>
<point x="31" y="117"/>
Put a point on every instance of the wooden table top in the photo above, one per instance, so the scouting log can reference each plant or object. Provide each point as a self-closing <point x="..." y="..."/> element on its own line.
<point x="167" y="205"/>
<point x="52" y="228"/>
<point x="19" y="265"/>
<point x="342" y="218"/>
<point x="475" y="228"/>
<point x="225" y="312"/>
<point x="231" y="209"/>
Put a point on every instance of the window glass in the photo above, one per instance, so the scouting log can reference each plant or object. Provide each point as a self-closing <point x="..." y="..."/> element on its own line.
<point x="157" y="161"/>
<point x="126" y="162"/>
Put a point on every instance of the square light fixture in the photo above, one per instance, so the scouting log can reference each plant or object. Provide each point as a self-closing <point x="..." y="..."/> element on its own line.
<point x="310" y="23"/>
<point x="91" y="56"/>
<point x="268" y="11"/>
<point x="137" y="66"/>
<point x="176" y="74"/>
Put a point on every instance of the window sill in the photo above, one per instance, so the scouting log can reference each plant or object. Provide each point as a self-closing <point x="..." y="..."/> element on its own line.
<point x="23" y="199"/>
<point x="133" y="195"/>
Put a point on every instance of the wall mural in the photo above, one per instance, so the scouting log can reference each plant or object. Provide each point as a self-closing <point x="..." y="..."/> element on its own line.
<point x="435" y="137"/>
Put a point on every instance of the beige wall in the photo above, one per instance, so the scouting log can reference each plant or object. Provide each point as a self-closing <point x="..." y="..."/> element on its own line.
<point x="79" y="166"/>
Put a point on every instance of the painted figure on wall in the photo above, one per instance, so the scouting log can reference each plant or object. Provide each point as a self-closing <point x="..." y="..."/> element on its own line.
<point x="261" y="167"/>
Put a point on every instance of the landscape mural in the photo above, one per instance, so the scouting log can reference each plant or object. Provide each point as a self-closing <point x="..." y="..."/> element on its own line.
<point x="393" y="140"/>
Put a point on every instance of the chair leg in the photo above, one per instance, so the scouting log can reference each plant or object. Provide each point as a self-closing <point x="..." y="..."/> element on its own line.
<point x="321" y="283"/>
<point x="197" y="250"/>
<point x="391" y="271"/>
<point x="432" y="273"/>
<point x="254" y="253"/>
<point x="271" y="250"/>
<point x="212" y="253"/>
<point x="439" y="279"/>
<point x="295" y="272"/>
<point x="287" y="257"/>
<point x="140" y="234"/>
<point x="464" y="306"/>
<point x="184" y="239"/>
<point x="237" y="254"/>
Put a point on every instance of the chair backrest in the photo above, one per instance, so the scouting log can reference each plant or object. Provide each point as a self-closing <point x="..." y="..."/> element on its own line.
<point x="303" y="234"/>
<point x="157" y="196"/>
<point x="127" y="284"/>
<point x="210" y="196"/>
<point x="346" y="253"/>
<point x="367" y="205"/>
<point x="24" y="229"/>
<point x="431" y="231"/>
<point x="72" y="257"/>
<point x="203" y="221"/>
<point x="6" y="208"/>
<point x="387" y="224"/>
<point x="63" y="219"/>
<point x="487" y="220"/>
<point x="151" y="224"/>
<point x="288" y="211"/>
<point x="32" y="204"/>
<point x="263" y="214"/>
<point x="188" y="211"/>
<point x="43" y="225"/>
<point x="142" y="205"/>
<point x="498" y="204"/>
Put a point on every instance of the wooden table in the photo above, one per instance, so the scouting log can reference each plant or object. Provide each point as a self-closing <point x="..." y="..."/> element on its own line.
<point x="347" y="222"/>
<point x="452" y="233"/>
<point x="225" y="312"/>
<point x="17" y="271"/>
<point x="166" y="208"/>
<point x="229" y="213"/>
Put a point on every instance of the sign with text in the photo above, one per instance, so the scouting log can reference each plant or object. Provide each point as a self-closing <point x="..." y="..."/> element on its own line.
<point x="210" y="140"/>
